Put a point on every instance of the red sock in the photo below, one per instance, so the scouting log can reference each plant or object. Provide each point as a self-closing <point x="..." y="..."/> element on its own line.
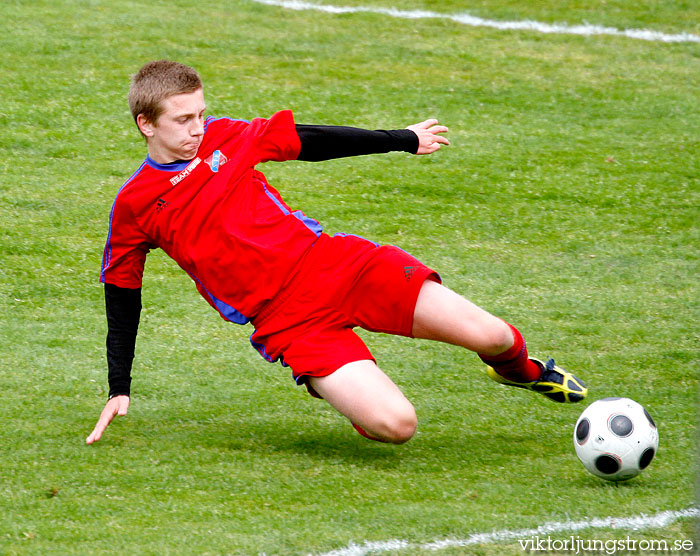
<point x="514" y="363"/>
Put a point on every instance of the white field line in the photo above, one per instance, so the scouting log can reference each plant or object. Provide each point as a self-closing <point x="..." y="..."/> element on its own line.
<point x="585" y="29"/>
<point x="637" y="523"/>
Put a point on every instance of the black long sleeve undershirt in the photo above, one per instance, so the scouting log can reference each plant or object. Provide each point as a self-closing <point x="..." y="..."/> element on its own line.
<point x="318" y="142"/>
<point x="123" y="308"/>
<point x="322" y="142"/>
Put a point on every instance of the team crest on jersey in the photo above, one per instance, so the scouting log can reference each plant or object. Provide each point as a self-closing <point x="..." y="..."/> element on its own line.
<point x="216" y="160"/>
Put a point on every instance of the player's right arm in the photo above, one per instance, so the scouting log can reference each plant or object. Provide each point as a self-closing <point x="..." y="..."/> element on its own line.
<point x="123" y="307"/>
<point x="122" y="272"/>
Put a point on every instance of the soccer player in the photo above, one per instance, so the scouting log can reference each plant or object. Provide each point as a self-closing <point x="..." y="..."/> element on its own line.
<point x="198" y="196"/>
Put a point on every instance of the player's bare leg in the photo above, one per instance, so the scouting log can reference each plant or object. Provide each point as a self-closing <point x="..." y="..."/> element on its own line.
<point x="369" y="398"/>
<point x="446" y="316"/>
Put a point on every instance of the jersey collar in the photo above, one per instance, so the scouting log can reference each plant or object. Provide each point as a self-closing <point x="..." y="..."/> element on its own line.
<point x="176" y="166"/>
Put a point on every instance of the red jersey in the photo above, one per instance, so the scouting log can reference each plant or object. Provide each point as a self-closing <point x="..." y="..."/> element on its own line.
<point x="216" y="216"/>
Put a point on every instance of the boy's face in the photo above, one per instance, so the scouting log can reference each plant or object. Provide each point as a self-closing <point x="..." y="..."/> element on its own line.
<point x="178" y="131"/>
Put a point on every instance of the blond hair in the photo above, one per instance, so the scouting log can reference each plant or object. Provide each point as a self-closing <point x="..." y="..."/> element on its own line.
<point x="155" y="82"/>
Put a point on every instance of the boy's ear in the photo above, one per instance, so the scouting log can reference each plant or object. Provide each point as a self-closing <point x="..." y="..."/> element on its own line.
<point x="145" y="126"/>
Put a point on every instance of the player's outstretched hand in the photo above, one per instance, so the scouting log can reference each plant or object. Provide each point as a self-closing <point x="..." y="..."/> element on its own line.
<point x="118" y="405"/>
<point x="428" y="139"/>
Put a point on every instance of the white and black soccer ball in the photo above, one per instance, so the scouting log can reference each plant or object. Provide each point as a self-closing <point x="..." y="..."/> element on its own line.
<point x="615" y="438"/>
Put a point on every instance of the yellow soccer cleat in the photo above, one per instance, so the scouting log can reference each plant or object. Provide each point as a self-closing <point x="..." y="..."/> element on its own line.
<point x="555" y="383"/>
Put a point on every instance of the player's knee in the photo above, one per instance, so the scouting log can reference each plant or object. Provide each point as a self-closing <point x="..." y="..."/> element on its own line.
<point x="404" y="431"/>
<point x="497" y="337"/>
<point x="400" y="427"/>
<point x="397" y="425"/>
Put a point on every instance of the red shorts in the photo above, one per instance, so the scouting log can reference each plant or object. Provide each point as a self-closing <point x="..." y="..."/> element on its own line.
<point x="345" y="281"/>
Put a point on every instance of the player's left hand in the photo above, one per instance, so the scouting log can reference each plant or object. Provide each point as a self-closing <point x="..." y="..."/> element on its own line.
<point x="428" y="139"/>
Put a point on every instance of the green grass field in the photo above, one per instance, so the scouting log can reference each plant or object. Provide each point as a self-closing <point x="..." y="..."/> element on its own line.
<point x="566" y="204"/>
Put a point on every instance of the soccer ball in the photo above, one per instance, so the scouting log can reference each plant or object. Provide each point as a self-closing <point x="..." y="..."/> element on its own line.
<point x="615" y="438"/>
